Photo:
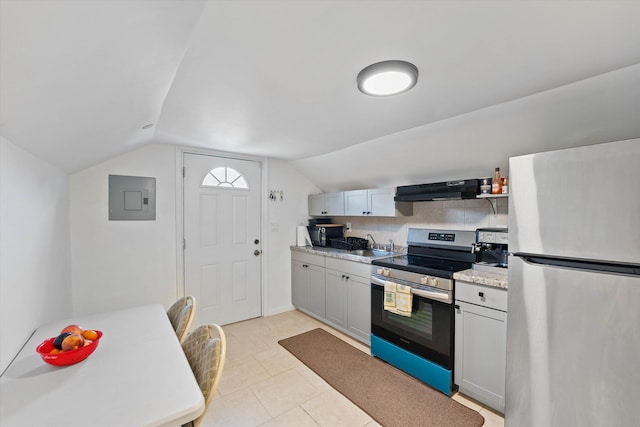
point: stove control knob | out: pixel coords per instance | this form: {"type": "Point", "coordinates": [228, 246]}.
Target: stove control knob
{"type": "Point", "coordinates": [424, 280]}
{"type": "Point", "coordinates": [433, 281]}
{"type": "Point", "coordinates": [386, 272]}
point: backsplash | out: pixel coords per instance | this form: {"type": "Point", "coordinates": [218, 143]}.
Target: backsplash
{"type": "Point", "coordinates": [450, 214]}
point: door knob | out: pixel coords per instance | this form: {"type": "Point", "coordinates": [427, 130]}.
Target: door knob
{"type": "Point", "coordinates": [256, 241]}
{"type": "Point", "coordinates": [256, 252]}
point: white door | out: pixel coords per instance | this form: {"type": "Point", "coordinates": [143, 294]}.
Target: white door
{"type": "Point", "coordinates": [222, 238]}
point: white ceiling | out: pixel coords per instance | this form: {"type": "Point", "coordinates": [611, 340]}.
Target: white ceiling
{"type": "Point", "coordinates": [79, 79]}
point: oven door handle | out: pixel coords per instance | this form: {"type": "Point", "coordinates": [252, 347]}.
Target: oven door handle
{"type": "Point", "coordinates": [437, 296]}
{"type": "Point", "coordinates": [433, 295]}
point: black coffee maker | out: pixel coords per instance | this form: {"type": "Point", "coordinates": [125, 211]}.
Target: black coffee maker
{"type": "Point", "coordinates": [492, 246]}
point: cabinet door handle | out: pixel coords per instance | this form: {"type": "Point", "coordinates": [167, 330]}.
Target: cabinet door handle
{"type": "Point", "coordinates": [457, 307]}
{"type": "Point", "coordinates": [481, 294]}
{"type": "Point", "coordinates": [364, 213]}
{"type": "Point", "coordinates": [305, 266]}
{"type": "Point", "coordinates": [346, 277]}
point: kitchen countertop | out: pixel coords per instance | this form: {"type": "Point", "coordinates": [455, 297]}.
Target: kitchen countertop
{"type": "Point", "coordinates": [496, 280]}
{"type": "Point", "coordinates": [487, 278]}
{"type": "Point", "coordinates": [341, 253]}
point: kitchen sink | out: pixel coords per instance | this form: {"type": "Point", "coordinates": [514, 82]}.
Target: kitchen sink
{"type": "Point", "coordinates": [372, 252]}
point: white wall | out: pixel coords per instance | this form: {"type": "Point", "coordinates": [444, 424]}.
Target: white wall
{"type": "Point", "coordinates": [122, 263]}
{"type": "Point", "coordinates": [34, 247]}
{"type": "Point", "coordinates": [283, 217]}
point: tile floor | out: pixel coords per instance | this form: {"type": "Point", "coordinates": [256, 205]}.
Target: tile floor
{"type": "Point", "coordinates": [264, 385]}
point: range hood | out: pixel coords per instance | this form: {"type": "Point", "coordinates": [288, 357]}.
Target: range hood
{"type": "Point", "coordinates": [448, 190]}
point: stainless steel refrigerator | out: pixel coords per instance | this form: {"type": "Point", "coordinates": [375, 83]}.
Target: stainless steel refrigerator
{"type": "Point", "coordinates": [573, 325]}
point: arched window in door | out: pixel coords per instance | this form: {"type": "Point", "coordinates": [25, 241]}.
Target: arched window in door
{"type": "Point", "coordinates": [224, 177]}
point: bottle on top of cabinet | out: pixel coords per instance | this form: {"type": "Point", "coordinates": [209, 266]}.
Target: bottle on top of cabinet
{"type": "Point", "coordinates": [496, 183]}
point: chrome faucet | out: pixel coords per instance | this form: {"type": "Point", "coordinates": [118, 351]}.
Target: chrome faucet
{"type": "Point", "coordinates": [369, 236]}
{"type": "Point", "coordinates": [391, 245]}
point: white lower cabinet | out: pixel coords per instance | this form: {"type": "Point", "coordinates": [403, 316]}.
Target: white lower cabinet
{"type": "Point", "coordinates": [308, 283]}
{"type": "Point", "coordinates": [336, 297]}
{"type": "Point", "coordinates": [481, 343]}
{"type": "Point", "coordinates": [348, 298]}
{"type": "Point", "coordinates": [359, 307]}
{"type": "Point", "coordinates": [345, 302]}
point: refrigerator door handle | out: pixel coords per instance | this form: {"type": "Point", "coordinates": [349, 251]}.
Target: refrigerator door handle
{"type": "Point", "coordinates": [580, 264]}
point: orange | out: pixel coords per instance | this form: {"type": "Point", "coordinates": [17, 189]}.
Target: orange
{"type": "Point", "coordinates": [90, 335]}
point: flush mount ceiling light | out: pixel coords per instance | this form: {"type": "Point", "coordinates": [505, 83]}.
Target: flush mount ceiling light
{"type": "Point", "coordinates": [387, 78]}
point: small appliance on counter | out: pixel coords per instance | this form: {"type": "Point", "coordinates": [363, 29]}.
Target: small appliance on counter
{"type": "Point", "coordinates": [321, 234]}
{"type": "Point", "coordinates": [492, 247]}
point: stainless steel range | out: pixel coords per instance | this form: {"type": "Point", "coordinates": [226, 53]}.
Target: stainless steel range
{"type": "Point", "coordinates": [419, 340]}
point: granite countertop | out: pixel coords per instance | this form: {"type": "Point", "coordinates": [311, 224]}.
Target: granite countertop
{"type": "Point", "coordinates": [497, 280]}
{"type": "Point", "coordinates": [340, 253]}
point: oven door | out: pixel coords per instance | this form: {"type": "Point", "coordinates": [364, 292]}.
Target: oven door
{"type": "Point", "coordinates": [428, 333]}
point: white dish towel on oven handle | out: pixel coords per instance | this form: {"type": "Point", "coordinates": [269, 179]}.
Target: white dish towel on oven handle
{"type": "Point", "coordinates": [397, 298]}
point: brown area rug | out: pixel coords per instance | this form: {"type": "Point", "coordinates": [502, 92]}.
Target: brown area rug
{"type": "Point", "coordinates": [388, 395]}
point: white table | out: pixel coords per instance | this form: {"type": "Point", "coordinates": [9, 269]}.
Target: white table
{"type": "Point", "coordinates": [138, 376]}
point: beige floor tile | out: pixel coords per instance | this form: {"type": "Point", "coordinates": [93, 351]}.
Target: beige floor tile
{"type": "Point", "coordinates": [247, 327]}
{"type": "Point", "coordinates": [332, 409]}
{"type": "Point", "coordinates": [240, 346]}
{"type": "Point", "coordinates": [241, 408]}
{"type": "Point", "coordinates": [313, 378]}
{"type": "Point", "coordinates": [277, 360]}
{"type": "Point", "coordinates": [467, 401]}
{"type": "Point", "coordinates": [272, 336]}
{"type": "Point", "coordinates": [241, 375]}
{"type": "Point", "coordinates": [284, 392]}
{"type": "Point", "coordinates": [296, 417]}
{"type": "Point", "coordinates": [289, 326]}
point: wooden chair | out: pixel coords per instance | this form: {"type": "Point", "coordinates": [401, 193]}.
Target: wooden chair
{"type": "Point", "coordinates": [206, 349]}
{"type": "Point", "coordinates": [181, 314]}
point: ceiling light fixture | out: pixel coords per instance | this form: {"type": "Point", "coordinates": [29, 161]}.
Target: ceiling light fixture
{"type": "Point", "coordinates": [387, 78]}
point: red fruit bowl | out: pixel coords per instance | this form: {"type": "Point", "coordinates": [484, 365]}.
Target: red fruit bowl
{"type": "Point", "coordinates": [65, 358]}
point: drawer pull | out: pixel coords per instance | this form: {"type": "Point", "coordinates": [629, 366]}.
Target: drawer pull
{"type": "Point", "coordinates": [481, 294]}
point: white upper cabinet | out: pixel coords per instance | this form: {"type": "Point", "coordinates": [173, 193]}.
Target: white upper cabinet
{"type": "Point", "coordinates": [326, 204]}
{"type": "Point", "coordinates": [375, 202]}
{"type": "Point", "coordinates": [355, 203]}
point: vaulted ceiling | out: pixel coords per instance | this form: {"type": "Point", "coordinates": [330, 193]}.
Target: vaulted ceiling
{"type": "Point", "coordinates": [80, 80]}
